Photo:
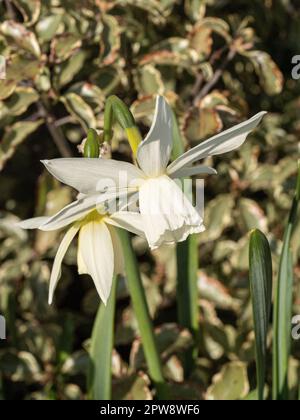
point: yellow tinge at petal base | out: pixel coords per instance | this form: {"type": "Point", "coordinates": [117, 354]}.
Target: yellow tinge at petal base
{"type": "Point", "coordinates": [93, 216]}
{"type": "Point", "coordinates": [134, 138]}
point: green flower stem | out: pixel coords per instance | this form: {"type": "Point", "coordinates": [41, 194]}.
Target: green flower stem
{"type": "Point", "coordinates": [102, 340]}
{"type": "Point", "coordinates": [117, 111]}
{"type": "Point", "coordinates": [187, 295]}
{"type": "Point", "coordinates": [187, 267]}
{"type": "Point", "coordinates": [141, 310]}
{"type": "Point", "coordinates": [100, 366]}
{"type": "Point", "coordinates": [283, 306]}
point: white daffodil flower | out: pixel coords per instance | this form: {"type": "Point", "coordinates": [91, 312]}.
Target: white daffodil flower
{"type": "Point", "coordinates": [168, 215]}
{"type": "Point", "coordinates": [99, 249]}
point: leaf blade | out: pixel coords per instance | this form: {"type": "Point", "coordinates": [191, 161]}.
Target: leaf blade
{"type": "Point", "coordinates": [283, 306]}
{"type": "Point", "coordinates": [99, 372]}
{"type": "Point", "coordinates": [260, 274]}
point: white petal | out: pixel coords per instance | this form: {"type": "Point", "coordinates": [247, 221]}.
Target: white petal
{"type": "Point", "coordinates": [119, 265]}
{"type": "Point", "coordinates": [82, 269]}
{"type": "Point", "coordinates": [96, 250]}
{"type": "Point", "coordinates": [62, 249]}
{"type": "Point", "coordinates": [133, 222]}
{"type": "Point", "coordinates": [33, 223]}
{"type": "Point", "coordinates": [154, 152]}
{"type": "Point", "coordinates": [91, 175]}
{"type": "Point", "coordinates": [187, 171]}
{"type": "Point", "coordinates": [168, 215]}
{"type": "Point", "coordinates": [78, 209]}
{"type": "Point", "coordinates": [221, 143]}
{"type": "Point", "coordinates": [71, 213]}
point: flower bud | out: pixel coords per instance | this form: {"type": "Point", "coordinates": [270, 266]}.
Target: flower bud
{"type": "Point", "coordinates": [91, 146]}
{"type": "Point", "coordinates": [117, 110]}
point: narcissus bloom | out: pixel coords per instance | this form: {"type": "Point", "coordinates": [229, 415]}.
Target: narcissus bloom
{"type": "Point", "coordinates": [99, 249]}
{"type": "Point", "coordinates": [168, 215]}
{"type": "Point", "coordinates": [153, 156]}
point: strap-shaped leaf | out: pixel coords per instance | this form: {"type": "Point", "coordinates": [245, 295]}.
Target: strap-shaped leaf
{"type": "Point", "coordinates": [187, 266]}
{"type": "Point", "coordinates": [99, 374]}
{"type": "Point", "coordinates": [260, 273]}
{"type": "Point", "coordinates": [283, 307]}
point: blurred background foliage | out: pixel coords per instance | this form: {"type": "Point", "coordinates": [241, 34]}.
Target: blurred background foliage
{"type": "Point", "coordinates": [217, 62]}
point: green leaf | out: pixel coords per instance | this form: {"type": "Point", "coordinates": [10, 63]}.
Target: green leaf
{"type": "Point", "coordinates": [260, 274]}
{"type": "Point", "coordinates": [14, 136]}
{"type": "Point", "coordinates": [270, 75]}
{"type": "Point", "coordinates": [188, 294]}
{"type": "Point", "coordinates": [110, 40]}
{"type": "Point", "coordinates": [252, 216]}
{"type": "Point", "coordinates": [282, 325]}
{"type": "Point", "coordinates": [171, 339]}
{"type": "Point", "coordinates": [195, 9]}
{"type": "Point", "coordinates": [173, 52]}
{"type": "Point", "coordinates": [148, 81]}
{"type": "Point", "coordinates": [218, 216]}
{"type": "Point", "coordinates": [21, 36]}
{"type": "Point", "coordinates": [100, 367]}
{"type": "Point", "coordinates": [219, 26]}
{"type": "Point", "coordinates": [213, 290]}
{"type": "Point", "coordinates": [187, 266]}
{"type": "Point", "coordinates": [134, 387]}
{"type": "Point", "coordinates": [80, 110]}
{"type": "Point", "coordinates": [30, 10]}
{"type": "Point", "coordinates": [51, 198]}
{"type": "Point", "coordinates": [141, 310]}
{"type": "Point", "coordinates": [76, 363]}
{"type": "Point", "coordinates": [143, 109]}
{"type": "Point", "coordinates": [21, 367]}
{"type": "Point", "coordinates": [63, 46]}
{"type": "Point", "coordinates": [297, 195]}
{"type": "Point", "coordinates": [201, 123]}
{"type": "Point", "coordinates": [46, 27]}
{"type": "Point", "coordinates": [230, 384]}
{"type": "Point", "coordinates": [178, 145]}
{"type": "Point", "coordinates": [7, 87]}
{"type": "Point", "coordinates": [21, 67]}
{"type": "Point", "coordinates": [18, 102]}
{"type": "Point", "coordinates": [65, 72]}
{"type": "Point", "coordinates": [92, 94]}
{"type": "Point", "coordinates": [283, 306]}
{"type": "Point", "coordinates": [152, 7]}
{"type": "Point", "coordinates": [253, 395]}
{"type": "Point", "coordinates": [201, 40]}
